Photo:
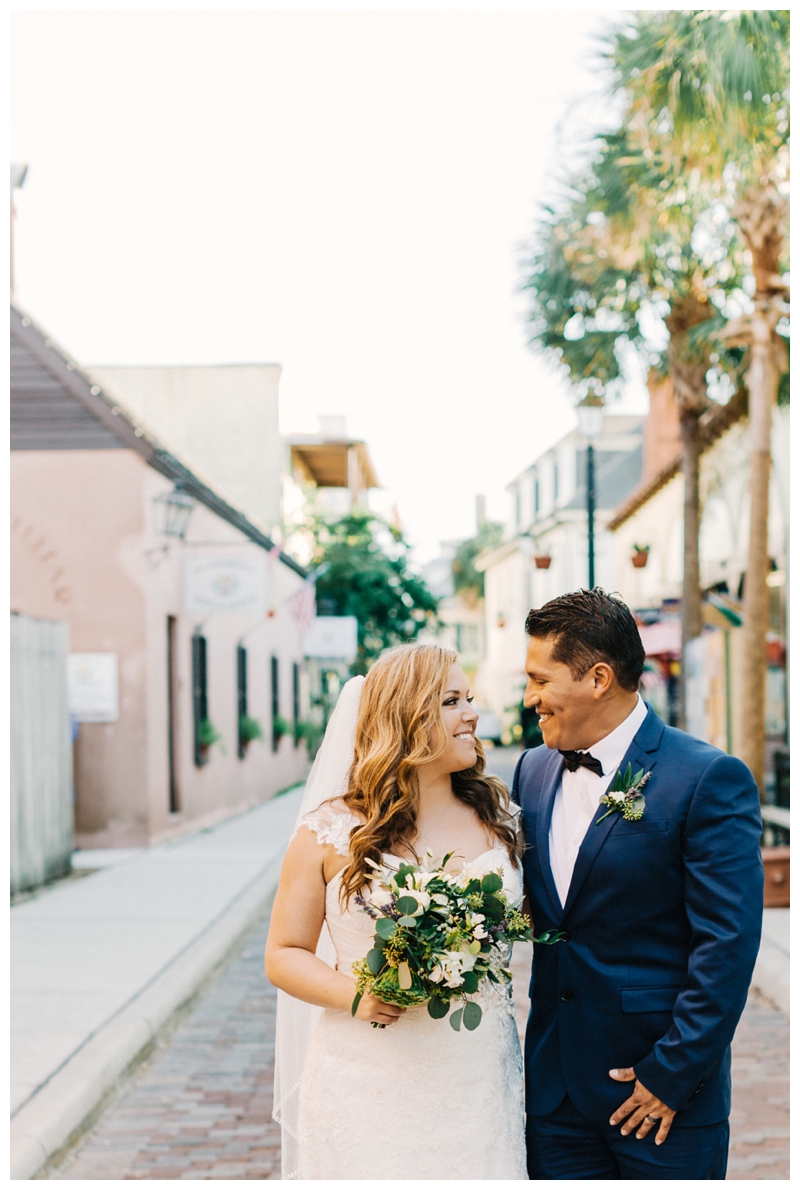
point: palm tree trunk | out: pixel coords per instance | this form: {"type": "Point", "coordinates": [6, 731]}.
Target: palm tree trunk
{"type": "Point", "coordinates": [762, 381]}
{"type": "Point", "coordinates": [691, 603]}
{"type": "Point", "coordinates": [761, 214]}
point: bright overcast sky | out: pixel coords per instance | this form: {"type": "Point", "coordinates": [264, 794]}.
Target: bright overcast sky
{"type": "Point", "coordinates": [342, 193]}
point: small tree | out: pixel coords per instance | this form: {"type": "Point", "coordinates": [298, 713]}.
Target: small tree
{"type": "Point", "coordinates": [467, 581]}
{"type": "Point", "coordinates": [367, 576]}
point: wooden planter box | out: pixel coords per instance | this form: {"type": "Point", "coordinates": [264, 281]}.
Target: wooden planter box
{"type": "Point", "coordinates": [776, 877]}
{"type": "Point", "coordinates": [542, 561]}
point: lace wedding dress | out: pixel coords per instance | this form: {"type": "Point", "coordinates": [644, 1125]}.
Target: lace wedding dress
{"type": "Point", "coordinates": [416, 1099]}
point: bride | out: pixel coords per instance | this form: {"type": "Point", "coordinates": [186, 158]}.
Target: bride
{"type": "Point", "coordinates": [400, 773]}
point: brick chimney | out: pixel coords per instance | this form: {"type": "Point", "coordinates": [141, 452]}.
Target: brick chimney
{"type": "Point", "coordinates": [662, 431]}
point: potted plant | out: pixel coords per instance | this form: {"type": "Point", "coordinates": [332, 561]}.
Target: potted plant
{"type": "Point", "coordinates": [249, 729]}
{"type": "Point", "coordinates": [207, 736]}
{"type": "Point", "coordinates": [280, 728]}
{"type": "Point", "coordinates": [640, 555]}
{"type": "Point", "coordinates": [310, 732]}
{"type": "Point", "coordinates": [542, 561]}
{"type": "Point", "coordinates": [776, 876]}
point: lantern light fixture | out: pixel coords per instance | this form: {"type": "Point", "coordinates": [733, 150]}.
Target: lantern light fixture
{"type": "Point", "coordinates": [172, 511]}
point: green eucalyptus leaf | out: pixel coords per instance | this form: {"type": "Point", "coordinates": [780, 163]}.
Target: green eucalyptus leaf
{"type": "Point", "coordinates": [386, 928]}
{"type": "Point", "coordinates": [407, 904]}
{"type": "Point", "coordinates": [455, 1019]}
{"type": "Point", "coordinates": [491, 883]}
{"type": "Point", "coordinates": [438, 1008]}
{"type": "Point", "coordinates": [472, 1015]}
{"type": "Point", "coordinates": [375, 961]}
{"type": "Point", "coordinates": [409, 922]}
{"type": "Point", "coordinates": [355, 1004]}
{"type": "Point", "coordinates": [493, 908]}
{"type": "Point", "coordinates": [470, 984]}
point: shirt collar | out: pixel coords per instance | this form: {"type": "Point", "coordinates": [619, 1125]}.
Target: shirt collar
{"type": "Point", "coordinates": [611, 749]}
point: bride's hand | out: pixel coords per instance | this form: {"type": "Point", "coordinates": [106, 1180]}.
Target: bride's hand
{"type": "Point", "coordinates": [377, 1011]}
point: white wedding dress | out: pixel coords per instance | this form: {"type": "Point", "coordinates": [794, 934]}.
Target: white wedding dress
{"type": "Point", "coordinates": [416, 1099]}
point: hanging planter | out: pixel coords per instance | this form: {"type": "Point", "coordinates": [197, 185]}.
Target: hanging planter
{"type": "Point", "coordinates": [207, 736]}
{"type": "Point", "coordinates": [249, 729]}
{"type": "Point", "coordinates": [542, 561]}
{"type": "Point", "coordinates": [640, 555]}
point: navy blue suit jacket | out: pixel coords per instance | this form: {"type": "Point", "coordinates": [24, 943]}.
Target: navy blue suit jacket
{"type": "Point", "coordinates": [663, 918]}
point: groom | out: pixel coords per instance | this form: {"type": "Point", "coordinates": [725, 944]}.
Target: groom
{"type": "Point", "coordinates": [627, 1049]}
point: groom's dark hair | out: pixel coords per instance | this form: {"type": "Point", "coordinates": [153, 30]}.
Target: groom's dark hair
{"type": "Point", "coordinates": [591, 626]}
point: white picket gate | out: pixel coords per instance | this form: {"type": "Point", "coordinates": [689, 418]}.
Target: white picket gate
{"type": "Point", "coordinates": [41, 753]}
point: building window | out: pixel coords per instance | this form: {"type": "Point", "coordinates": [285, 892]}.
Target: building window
{"type": "Point", "coordinates": [241, 697]}
{"type": "Point", "coordinates": [296, 701]}
{"type": "Point", "coordinates": [199, 695]}
{"type": "Point", "coordinates": [536, 496]}
{"type": "Point", "coordinates": [517, 507]}
{"type": "Point", "coordinates": [274, 674]}
{"type": "Point", "coordinates": [467, 639]}
{"type": "Point", "coordinates": [555, 482]}
{"type": "Point", "coordinates": [172, 712]}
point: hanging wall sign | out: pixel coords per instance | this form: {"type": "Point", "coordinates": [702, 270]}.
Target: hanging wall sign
{"type": "Point", "coordinates": [93, 687]}
{"type": "Point", "coordinates": [332, 638]}
{"type": "Point", "coordinates": [224, 583]}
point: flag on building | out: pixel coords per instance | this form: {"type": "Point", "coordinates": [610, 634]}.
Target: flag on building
{"type": "Point", "coordinates": [302, 603]}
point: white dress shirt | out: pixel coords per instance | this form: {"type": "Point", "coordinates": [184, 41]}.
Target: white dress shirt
{"type": "Point", "coordinates": [578, 797]}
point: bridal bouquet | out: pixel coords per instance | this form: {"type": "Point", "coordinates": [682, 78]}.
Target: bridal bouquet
{"type": "Point", "coordinates": [439, 936]}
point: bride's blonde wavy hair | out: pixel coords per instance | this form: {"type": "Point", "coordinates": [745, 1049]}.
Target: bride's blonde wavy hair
{"type": "Point", "coordinates": [399, 714]}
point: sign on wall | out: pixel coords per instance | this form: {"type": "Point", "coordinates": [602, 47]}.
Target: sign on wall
{"type": "Point", "coordinates": [332, 638]}
{"type": "Point", "coordinates": [93, 687]}
{"type": "Point", "coordinates": [224, 583]}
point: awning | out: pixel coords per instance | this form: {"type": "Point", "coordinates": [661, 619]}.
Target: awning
{"type": "Point", "coordinates": [661, 639]}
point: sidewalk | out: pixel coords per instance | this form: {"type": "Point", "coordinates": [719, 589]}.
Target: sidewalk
{"type": "Point", "coordinates": [771, 975]}
{"type": "Point", "coordinates": [100, 964]}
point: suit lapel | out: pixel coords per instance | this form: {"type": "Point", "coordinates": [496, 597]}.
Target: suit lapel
{"type": "Point", "coordinates": [544, 813]}
{"type": "Point", "coordinates": [644, 743]}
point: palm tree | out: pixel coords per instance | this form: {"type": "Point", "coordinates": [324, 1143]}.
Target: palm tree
{"type": "Point", "coordinates": [625, 244]}
{"type": "Point", "coordinates": [708, 92]}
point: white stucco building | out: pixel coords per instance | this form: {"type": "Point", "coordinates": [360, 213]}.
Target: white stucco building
{"type": "Point", "coordinates": [545, 552]}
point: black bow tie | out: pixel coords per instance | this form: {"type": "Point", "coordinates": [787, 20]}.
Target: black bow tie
{"type": "Point", "coordinates": [574, 760]}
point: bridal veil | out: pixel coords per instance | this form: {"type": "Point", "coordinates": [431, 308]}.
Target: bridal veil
{"type": "Point", "coordinates": [296, 1019]}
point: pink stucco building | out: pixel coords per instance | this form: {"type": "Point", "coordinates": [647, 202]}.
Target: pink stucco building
{"type": "Point", "coordinates": [200, 629]}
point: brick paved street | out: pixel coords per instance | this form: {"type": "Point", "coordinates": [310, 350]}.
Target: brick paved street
{"type": "Point", "coordinates": [201, 1106]}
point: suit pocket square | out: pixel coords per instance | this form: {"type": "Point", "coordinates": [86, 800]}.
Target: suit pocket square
{"type": "Point", "coordinates": [649, 999]}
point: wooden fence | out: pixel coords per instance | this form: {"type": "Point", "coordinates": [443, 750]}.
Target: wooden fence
{"type": "Point", "coordinates": [41, 753]}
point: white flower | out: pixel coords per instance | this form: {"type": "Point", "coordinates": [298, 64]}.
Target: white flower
{"type": "Point", "coordinates": [474, 923]}
{"type": "Point", "coordinates": [452, 964]}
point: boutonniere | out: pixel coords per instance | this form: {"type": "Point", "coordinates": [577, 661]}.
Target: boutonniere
{"type": "Point", "coordinates": [625, 794]}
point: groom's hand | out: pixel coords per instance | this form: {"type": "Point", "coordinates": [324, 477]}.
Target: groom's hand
{"type": "Point", "coordinates": [638, 1107]}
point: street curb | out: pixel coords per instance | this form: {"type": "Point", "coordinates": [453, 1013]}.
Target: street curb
{"type": "Point", "coordinates": [63, 1108]}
